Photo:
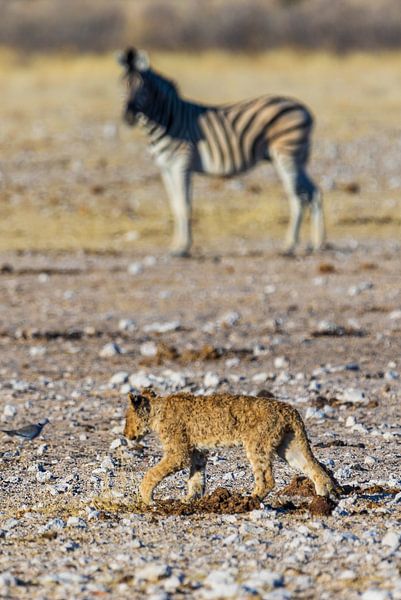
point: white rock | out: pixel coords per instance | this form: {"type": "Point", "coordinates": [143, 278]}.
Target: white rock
{"type": "Point", "coordinates": [175, 379]}
{"type": "Point", "coordinates": [162, 327]}
{"type": "Point", "coordinates": [265, 577]}
{"type": "Point", "coordinates": [108, 463]}
{"type": "Point", "coordinates": [229, 319]}
{"type": "Point", "coordinates": [392, 539]}
{"type": "Point", "coordinates": [153, 572]}
{"type": "Point", "coordinates": [43, 476]}
{"type": "Point", "coordinates": [232, 362]}
{"type": "Point", "coordinates": [110, 350]}
{"type": "Point", "coordinates": [391, 375]}
{"type": "Point", "coordinates": [118, 443]}
{"type": "Point", "coordinates": [76, 522]}
{"type": "Point", "coordinates": [281, 362]}
{"type": "Point", "coordinates": [11, 524]}
{"type": "Point", "coordinates": [125, 389]}
{"type": "Point", "coordinates": [314, 413]}
{"type": "Point", "coordinates": [350, 422]}
{"type": "Point", "coordinates": [140, 380]}
{"type": "Point", "coordinates": [7, 580]}
{"type": "Point", "coordinates": [315, 386]}
{"type": "Point", "coordinates": [353, 395]}
{"type": "Point", "coordinates": [269, 289]}
{"type": "Point", "coordinates": [42, 449]}
{"type": "Point", "coordinates": [135, 268]}
{"type": "Point", "coordinates": [211, 380]}
{"type": "Point", "coordinates": [148, 349]}
{"type": "Point", "coordinates": [119, 378]}
{"type": "Point", "coordinates": [9, 411]}
{"type": "Point", "coordinates": [376, 595]}
{"type": "Point", "coordinates": [370, 461]}
{"type": "Point", "coordinates": [354, 290]}
{"type": "Point", "coordinates": [260, 377]}
{"type": "Point", "coordinates": [128, 325]}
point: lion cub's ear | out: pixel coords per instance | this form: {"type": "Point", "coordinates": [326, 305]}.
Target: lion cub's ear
{"type": "Point", "coordinates": [136, 400]}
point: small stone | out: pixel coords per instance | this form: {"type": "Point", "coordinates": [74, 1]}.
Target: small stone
{"type": "Point", "coordinates": [110, 350]}
{"type": "Point", "coordinates": [43, 476]}
{"type": "Point", "coordinates": [9, 411]}
{"type": "Point", "coordinates": [162, 327]}
{"type": "Point", "coordinates": [135, 268]}
{"type": "Point", "coordinates": [376, 595]}
{"type": "Point", "coordinates": [211, 380]}
{"type": "Point", "coordinates": [76, 522]}
{"type": "Point", "coordinates": [148, 349]}
{"type": "Point", "coordinates": [127, 325]}
{"type": "Point", "coordinates": [354, 395]}
{"type": "Point", "coordinates": [140, 380]}
{"type": "Point", "coordinates": [11, 524]}
{"type": "Point", "coordinates": [392, 539]}
{"type": "Point", "coordinates": [153, 572]}
{"type": "Point", "coordinates": [70, 546]}
{"type": "Point", "coordinates": [42, 449]}
{"type": "Point", "coordinates": [108, 463]}
{"type": "Point", "coordinates": [118, 378]}
{"type": "Point", "coordinates": [229, 319]}
{"type": "Point", "coordinates": [370, 461]}
{"type": "Point", "coordinates": [281, 362]}
{"type": "Point", "coordinates": [350, 422]}
{"type": "Point", "coordinates": [118, 443]}
{"type": "Point", "coordinates": [7, 580]}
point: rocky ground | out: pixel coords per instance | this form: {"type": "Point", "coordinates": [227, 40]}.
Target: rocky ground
{"type": "Point", "coordinates": [79, 330]}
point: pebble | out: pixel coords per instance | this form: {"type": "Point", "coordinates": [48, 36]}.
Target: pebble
{"type": "Point", "coordinates": [76, 522]}
{"type": "Point", "coordinates": [392, 539]}
{"type": "Point", "coordinates": [165, 327]}
{"type": "Point", "coordinates": [110, 350]}
{"type": "Point", "coordinates": [42, 449]}
{"type": "Point", "coordinates": [11, 524]}
{"type": "Point", "coordinates": [353, 395]}
{"type": "Point", "coordinates": [281, 362]}
{"type": "Point", "coordinates": [376, 595]}
{"type": "Point", "coordinates": [148, 349]}
{"type": "Point", "coordinates": [127, 325]}
{"type": "Point", "coordinates": [43, 476]}
{"type": "Point", "coordinates": [211, 380]}
{"type": "Point", "coordinates": [9, 411]}
{"type": "Point", "coordinates": [118, 443]}
{"type": "Point", "coordinates": [140, 380]}
{"type": "Point", "coordinates": [229, 319]}
{"type": "Point", "coordinates": [370, 461]}
{"type": "Point", "coordinates": [153, 572]}
{"type": "Point", "coordinates": [118, 378]}
{"type": "Point", "coordinates": [135, 268]}
{"type": "Point", "coordinates": [354, 290]}
{"type": "Point", "coordinates": [7, 580]}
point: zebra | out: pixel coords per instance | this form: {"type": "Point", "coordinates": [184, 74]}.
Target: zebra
{"type": "Point", "coordinates": [188, 137]}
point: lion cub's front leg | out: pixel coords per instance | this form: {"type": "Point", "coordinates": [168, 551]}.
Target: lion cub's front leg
{"type": "Point", "coordinates": [196, 481]}
{"type": "Point", "coordinates": [173, 460]}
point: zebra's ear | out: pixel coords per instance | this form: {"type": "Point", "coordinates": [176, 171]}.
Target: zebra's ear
{"type": "Point", "coordinates": [142, 62]}
{"type": "Point", "coordinates": [127, 59]}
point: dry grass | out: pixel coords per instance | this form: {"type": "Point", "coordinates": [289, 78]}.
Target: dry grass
{"type": "Point", "coordinates": [72, 177]}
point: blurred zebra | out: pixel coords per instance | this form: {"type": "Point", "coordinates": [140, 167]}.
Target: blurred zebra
{"type": "Point", "coordinates": [187, 137]}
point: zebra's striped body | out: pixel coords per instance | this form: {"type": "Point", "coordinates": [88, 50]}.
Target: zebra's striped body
{"type": "Point", "coordinates": [187, 137]}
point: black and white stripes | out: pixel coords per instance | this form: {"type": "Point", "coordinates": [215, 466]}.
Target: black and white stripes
{"type": "Point", "coordinates": [187, 137]}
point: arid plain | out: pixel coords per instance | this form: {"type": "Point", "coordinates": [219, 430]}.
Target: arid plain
{"type": "Point", "coordinates": [92, 306]}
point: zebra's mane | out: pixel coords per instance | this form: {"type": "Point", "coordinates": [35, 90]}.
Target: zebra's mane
{"type": "Point", "coordinates": [161, 83]}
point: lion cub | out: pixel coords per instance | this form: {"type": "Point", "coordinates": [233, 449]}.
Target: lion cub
{"type": "Point", "coordinates": [188, 425]}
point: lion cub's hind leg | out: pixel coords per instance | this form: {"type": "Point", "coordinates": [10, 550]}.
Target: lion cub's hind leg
{"type": "Point", "coordinates": [296, 451]}
{"type": "Point", "coordinates": [196, 481]}
{"type": "Point", "coordinates": [260, 457]}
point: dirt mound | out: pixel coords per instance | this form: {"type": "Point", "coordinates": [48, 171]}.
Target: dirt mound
{"type": "Point", "coordinates": [321, 506]}
{"type": "Point", "coordinates": [166, 353]}
{"type": "Point", "coordinates": [299, 486]}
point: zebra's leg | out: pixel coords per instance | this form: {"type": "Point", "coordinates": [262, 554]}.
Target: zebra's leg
{"type": "Point", "coordinates": [288, 171]}
{"type": "Point", "coordinates": [302, 192]}
{"type": "Point", "coordinates": [318, 228]}
{"type": "Point", "coordinates": [178, 185]}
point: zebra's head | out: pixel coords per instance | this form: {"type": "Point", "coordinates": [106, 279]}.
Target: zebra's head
{"type": "Point", "coordinates": [136, 64]}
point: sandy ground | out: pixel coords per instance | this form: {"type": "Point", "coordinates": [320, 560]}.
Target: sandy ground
{"type": "Point", "coordinates": [91, 307]}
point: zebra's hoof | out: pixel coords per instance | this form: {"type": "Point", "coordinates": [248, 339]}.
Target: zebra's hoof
{"type": "Point", "coordinates": [180, 253]}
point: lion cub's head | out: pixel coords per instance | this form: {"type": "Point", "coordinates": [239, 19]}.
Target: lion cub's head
{"type": "Point", "coordinates": [137, 415]}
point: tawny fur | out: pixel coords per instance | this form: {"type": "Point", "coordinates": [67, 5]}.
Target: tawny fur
{"type": "Point", "coordinates": [188, 425]}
